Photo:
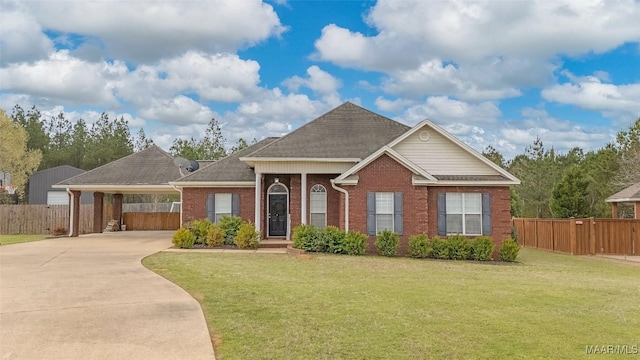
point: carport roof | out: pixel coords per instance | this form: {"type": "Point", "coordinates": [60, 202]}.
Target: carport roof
{"type": "Point", "coordinates": [149, 170]}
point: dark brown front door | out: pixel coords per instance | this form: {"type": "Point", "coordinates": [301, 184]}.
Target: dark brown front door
{"type": "Point", "coordinates": [277, 214]}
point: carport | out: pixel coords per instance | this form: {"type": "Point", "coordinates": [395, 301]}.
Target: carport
{"type": "Point", "coordinates": [145, 172]}
{"type": "Point", "coordinates": [630, 194]}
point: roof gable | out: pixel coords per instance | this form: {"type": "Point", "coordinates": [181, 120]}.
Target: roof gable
{"type": "Point", "coordinates": [446, 157]}
{"type": "Point", "coordinates": [228, 169]}
{"type": "Point", "coordinates": [152, 166]}
{"type": "Point", "coordinates": [348, 131]}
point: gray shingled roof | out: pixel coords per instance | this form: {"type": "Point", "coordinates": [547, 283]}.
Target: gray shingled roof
{"type": "Point", "coordinates": [348, 131]}
{"type": "Point", "coordinates": [632, 193]}
{"type": "Point", "coordinates": [152, 166]}
{"type": "Point", "coordinates": [230, 168]}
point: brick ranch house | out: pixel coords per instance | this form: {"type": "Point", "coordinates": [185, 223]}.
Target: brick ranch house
{"type": "Point", "coordinates": [356, 170]}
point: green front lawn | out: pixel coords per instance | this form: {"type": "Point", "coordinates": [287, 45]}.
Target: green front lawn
{"type": "Point", "coordinates": [343, 307]}
{"type": "Point", "coordinates": [17, 239]}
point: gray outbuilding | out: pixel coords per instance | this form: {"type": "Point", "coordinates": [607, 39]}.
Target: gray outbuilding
{"type": "Point", "coordinates": [41, 192]}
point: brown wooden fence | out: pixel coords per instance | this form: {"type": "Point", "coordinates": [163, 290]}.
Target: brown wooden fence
{"type": "Point", "coordinates": [151, 220]}
{"type": "Point", "coordinates": [44, 219]}
{"type": "Point", "coordinates": [581, 236]}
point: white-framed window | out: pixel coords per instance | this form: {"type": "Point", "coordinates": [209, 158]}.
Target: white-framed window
{"type": "Point", "coordinates": [223, 206]}
{"type": "Point", "coordinates": [318, 206]}
{"type": "Point", "coordinates": [464, 213]}
{"type": "Point", "coordinates": [384, 211]}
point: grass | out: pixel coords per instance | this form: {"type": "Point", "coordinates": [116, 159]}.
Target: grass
{"type": "Point", "coordinates": [329, 307]}
{"type": "Point", "coordinates": [18, 239]}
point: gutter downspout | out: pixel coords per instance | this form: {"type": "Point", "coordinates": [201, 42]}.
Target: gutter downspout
{"type": "Point", "coordinates": [71, 219]}
{"type": "Point", "coordinates": [346, 203]}
{"type": "Point", "coordinates": [180, 191]}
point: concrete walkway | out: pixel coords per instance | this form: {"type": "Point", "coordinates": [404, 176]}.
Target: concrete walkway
{"type": "Point", "coordinates": [91, 298]}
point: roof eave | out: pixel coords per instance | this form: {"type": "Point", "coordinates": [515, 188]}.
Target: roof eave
{"type": "Point", "coordinates": [184, 184]}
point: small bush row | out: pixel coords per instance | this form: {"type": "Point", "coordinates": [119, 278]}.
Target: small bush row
{"type": "Point", "coordinates": [458, 247]}
{"type": "Point", "coordinates": [310, 238]}
{"type": "Point", "coordinates": [231, 230]}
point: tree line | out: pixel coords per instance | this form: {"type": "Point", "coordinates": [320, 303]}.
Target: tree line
{"type": "Point", "coordinates": [575, 183]}
{"type": "Point", "coordinates": [63, 142]}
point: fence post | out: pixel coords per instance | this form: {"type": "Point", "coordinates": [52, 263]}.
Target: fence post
{"type": "Point", "coordinates": [572, 235]}
{"type": "Point", "coordinates": [592, 236]}
{"type": "Point", "coordinates": [553, 238]}
{"type": "Point", "coordinates": [535, 232]}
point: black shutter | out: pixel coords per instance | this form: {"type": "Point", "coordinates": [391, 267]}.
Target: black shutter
{"type": "Point", "coordinates": [486, 214]}
{"type": "Point", "coordinates": [211, 207]}
{"type": "Point", "coordinates": [371, 213]}
{"type": "Point", "coordinates": [397, 213]}
{"type": "Point", "coordinates": [235, 204]}
{"type": "Point", "coordinates": [442, 214]}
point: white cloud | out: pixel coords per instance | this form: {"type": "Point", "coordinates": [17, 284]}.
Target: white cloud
{"type": "Point", "coordinates": [444, 110]}
{"type": "Point", "coordinates": [178, 110]}
{"type": "Point", "coordinates": [64, 78]}
{"type": "Point", "coordinates": [391, 105]}
{"type": "Point", "coordinates": [22, 37]}
{"type": "Point", "coordinates": [477, 50]}
{"type": "Point", "coordinates": [591, 93]}
{"type": "Point", "coordinates": [151, 30]}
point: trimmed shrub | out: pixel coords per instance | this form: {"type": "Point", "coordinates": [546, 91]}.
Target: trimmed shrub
{"type": "Point", "coordinates": [230, 226]}
{"type": "Point", "coordinates": [387, 243]}
{"type": "Point", "coordinates": [333, 238]}
{"type": "Point", "coordinates": [420, 246]}
{"type": "Point", "coordinates": [481, 248]}
{"type": "Point", "coordinates": [215, 236]}
{"type": "Point", "coordinates": [439, 248]}
{"type": "Point", "coordinates": [509, 250]}
{"type": "Point", "coordinates": [183, 238]}
{"type": "Point", "coordinates": [306, 237]}
{"type": "Point", "coordinates": [247, 236]}
{"type": "Point", "coordinates": [354, 243]}
{"type": "Point", "coordinates": [459, 247]}
{"type": "Point", "coordinates": [199, 229]}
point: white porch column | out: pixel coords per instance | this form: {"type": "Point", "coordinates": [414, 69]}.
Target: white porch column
{"type": "Point", "coordinates": [258, 208]}
{"type": "Point", "coordinates": [303, 195]}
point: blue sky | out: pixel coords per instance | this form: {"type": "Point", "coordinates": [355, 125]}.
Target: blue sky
{"type": "Point", "coordinates": [491, 72]}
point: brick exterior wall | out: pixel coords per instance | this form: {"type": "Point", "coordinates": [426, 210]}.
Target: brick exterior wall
{"type": "Point", "coordinates": [333, 198]}
{"type": "Point", "coordinates": [194, 202]}
{"type": "Point", "coordinates": [500, 210]}
{"type": "Point", "coordinates": [420, 203]}
{"type": "Point", "coordinates": [387, 175]}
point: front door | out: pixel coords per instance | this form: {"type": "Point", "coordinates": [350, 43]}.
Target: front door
{"type": "Point", "coordinates": [277, 214]}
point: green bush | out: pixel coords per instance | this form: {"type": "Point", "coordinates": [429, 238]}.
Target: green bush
{"type": "Point", "coordinates": [199, 229]}
{"type": "Point", "coordinates": [215, 236]}
{"type": "Point", "coordinates": [354, 243]}
{"type": "Point", "coordinates": [459, 247]}
{"type": "Point", "coordinates": [481, 248]}
{"type": "Point", "coordinates": [509, 250]}
{"type": "Point", "coordinates": [306, 237]}
{"type": "Point", "coordinates": [230, 226]}
{"type": "Point", "coordinates": [183, 238]}
{"type": "Point", "coordinates": [333, 238]}
{"type": "Point", "coordinates": [439, 248]}
{"type": "Point", "coordinates": [247, 236]}
{"type": "Point", "coordinates": [420, 246]}
{"type": "Point", "coordinates": [387, 243]}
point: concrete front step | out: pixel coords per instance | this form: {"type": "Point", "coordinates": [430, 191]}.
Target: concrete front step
{"type": "Point", "coordinates": [275, 243]}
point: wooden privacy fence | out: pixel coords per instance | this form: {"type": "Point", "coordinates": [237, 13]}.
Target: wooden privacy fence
{"type": "Point", "coordinates": [580, 236]}
{"type": "Point", "coordinates": [44, 219]}
{"type": "Point", "coordinates": [151, 220]}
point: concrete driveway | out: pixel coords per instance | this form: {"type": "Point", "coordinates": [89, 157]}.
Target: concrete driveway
{"type": "Point", "coordinates": [90, 298]}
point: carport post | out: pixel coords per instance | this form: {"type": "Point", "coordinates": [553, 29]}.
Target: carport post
{"type": "Point", "coordinates": [117, 208]}
{"type": "Point", "coordinates": [75, 223]}
{"type": "Point", "coordinates": [98, 206]}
